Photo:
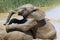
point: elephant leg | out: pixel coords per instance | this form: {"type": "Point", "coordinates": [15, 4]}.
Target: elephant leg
{"type": "Point", "coordinates": [16, 35]}
{"type": "Point", "coordinates": [46, 32]}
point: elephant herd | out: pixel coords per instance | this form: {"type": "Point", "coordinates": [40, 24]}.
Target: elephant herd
{"type": "Point", "coordinates": [33, 26]}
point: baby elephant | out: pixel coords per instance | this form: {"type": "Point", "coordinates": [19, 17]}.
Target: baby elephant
{"type": "Point", "coordinates": [43, 28]}
{"type": "Point", "coordinates": [39, 27]}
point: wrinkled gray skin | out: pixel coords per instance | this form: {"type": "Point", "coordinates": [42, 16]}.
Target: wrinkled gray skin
{"type": "Point", "coordinates": [25, 34]}
{"type": "Point", "coordinates": [46, 31]}
{"type": "Point", "coordinates": [16, 35]}
{"type": "Point", "coordinates": [20, 10]}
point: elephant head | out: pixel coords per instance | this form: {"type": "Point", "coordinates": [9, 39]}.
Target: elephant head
{"type": "Point", "coordinates": [32, 12]}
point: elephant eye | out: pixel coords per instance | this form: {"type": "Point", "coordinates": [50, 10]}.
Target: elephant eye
{"type": "Point", "coordinates": [20, 13]}
{"type": "Point", "coordinates": [34, 10]}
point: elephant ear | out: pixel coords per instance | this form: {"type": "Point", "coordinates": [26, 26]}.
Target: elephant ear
{"type": "Point", "coordinates": [38, 14]}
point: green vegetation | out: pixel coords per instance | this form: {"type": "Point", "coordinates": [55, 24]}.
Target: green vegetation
{"type": "Point", "coordinates": [7, 5]}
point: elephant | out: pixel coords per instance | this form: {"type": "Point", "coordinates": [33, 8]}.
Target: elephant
{"type": "Point", "coordinates": [20, 33]}
{"type": "Point", "coordinates": [13, 32]}
{"type": "Point", "coordinates": [44, 29]}
{"type": "Point", "coordinates": [39, 27]}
